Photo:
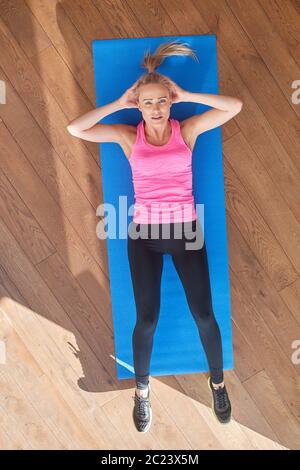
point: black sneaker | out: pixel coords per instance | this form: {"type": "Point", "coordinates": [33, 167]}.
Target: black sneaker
{"type": "Point", "coordinates": [221, 405]}
{"type": "Point", "coordinates": [142, 413]}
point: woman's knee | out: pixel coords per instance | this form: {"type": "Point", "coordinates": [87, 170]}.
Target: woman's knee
{"type": "Point", "coordinates": [148, 303]}
{"type": "Point", "coordinates": [203, 312]}
{"type": "Point", "coordinates": [146, 326]}
{"type": "Point", "coordinates": [147, 316]}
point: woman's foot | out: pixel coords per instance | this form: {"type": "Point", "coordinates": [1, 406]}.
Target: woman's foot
{"type": "Point", "coordinates": [221, 405]}
{"type": "Point", "coordinates": [142, 412]}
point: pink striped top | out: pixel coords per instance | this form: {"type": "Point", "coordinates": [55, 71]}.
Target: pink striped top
{"type": "Point", "coordinates": [162, 179]}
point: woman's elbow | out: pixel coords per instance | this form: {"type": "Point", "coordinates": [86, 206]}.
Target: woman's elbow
{"type": "Point", "coordinates": [239, 104]}
{"type": "Point", "coordinates": [72, 130]}
{"type": "Point", "coordinates": [237, 107]}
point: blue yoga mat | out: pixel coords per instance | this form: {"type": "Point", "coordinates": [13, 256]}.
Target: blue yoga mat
{"type": "Point", "coordinates": [177, 348]}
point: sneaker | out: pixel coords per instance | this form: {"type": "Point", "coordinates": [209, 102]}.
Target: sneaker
{"type": "Point", "coordinates": [142, 412]}
{"type": "Point", "coordinates": [221, 405]}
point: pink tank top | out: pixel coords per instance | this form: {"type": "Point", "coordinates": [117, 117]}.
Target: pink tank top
{"type": "Point", "coordinates": [162, 179]}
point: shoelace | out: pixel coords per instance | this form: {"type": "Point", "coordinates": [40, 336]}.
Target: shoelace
{"type": "Point", "coordinates": [142, 406]}
{"type": "Point", "coordinates": [222, 397]}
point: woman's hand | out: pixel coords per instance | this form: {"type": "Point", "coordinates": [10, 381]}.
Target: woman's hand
{"type": "Point", "coordinates": [177, 93]}
{"type": "Point", "coordinates": [129, 98]}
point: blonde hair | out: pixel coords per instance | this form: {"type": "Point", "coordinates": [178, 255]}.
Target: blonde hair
{"type": "Point", "coordinates": [152, 61]}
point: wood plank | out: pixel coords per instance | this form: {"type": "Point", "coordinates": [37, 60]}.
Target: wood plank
{"type": "Point", "coordinates": [291, 296]}
{"type": "Point", "coordinates": [67, 41]}
{"type": "Point", "coordinates": [274, 409]}
{"type": "Point", "coordinates": [251, 223]}
{"type": "Point", "coordinates": [20, 414]}
{"type": "Point", "coordinates": [22, 223]}
{"type": "Point", "coordinates": [246, 361]}
{"type": "Point", "coordinates": [40, 298]}
{"type": "Point", "coordinates": [33, 40]}
{"type": "Point", "coordinates": [49, 116]}
{"type": "Point", "coordinates": [265, 195]}
{"type": "Point", "coordinates": [285, 20]}
{"type": "Point", "coordinates": [24, 26]}
{"type": "Point", "coordinates": [24, 372]}
{"type": "Point", "coordinates": [264, 297]}
{"type": "Point", "coordinates": [76, 254]}
{"type": "Point", "coordinates": [67, 93]}
{"type": "Point", "coordinates": [11, 438]}
{"type": "Point", "coordinates": [122, 18]}
{"type": "Point", "coordinates": [49, 345]}
{"type": "Point", "coordinates": [56, 178]}
{"type": "Point", "coordinates": [89, 21]}
{"type": "Point", "coordinates": [276, 363]}
{"type": "Point", "coordinates": [268, 43]}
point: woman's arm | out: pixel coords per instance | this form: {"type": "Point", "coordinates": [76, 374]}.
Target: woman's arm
{"type": "Point", "coordinates": [89, 119]}
{"type": "Point", "coordinates": [224, 109]}
{"type": "Point", "coordinates": [85, 127]}
{"type": "Point", "coordinates": [225, 103]}
{"type": "Point", "coordinates": [84, 123]}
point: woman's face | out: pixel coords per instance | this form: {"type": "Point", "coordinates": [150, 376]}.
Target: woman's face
{"type": "Point", "coordinates": [154, 101]}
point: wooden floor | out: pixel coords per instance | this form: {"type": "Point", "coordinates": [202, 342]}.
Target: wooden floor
{"type": "Point", "coordinates": [58, 388]}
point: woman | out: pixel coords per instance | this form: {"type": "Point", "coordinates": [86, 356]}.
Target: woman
{"type": "Point", "coordinates": [159, 150]}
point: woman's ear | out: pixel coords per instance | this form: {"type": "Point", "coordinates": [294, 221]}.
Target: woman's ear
{"type": "Point", "coordinates": [136, 98]}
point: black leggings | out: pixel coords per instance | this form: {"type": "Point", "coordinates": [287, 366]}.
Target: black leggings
{"type": "Point", "coordinates": [145, 254]}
